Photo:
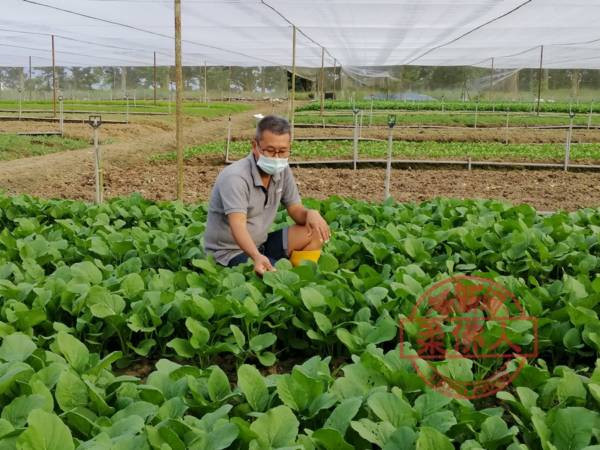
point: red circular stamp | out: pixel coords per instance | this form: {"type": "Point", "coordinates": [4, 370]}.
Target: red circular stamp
{"type": "Point", "coordinates": [470, 337]}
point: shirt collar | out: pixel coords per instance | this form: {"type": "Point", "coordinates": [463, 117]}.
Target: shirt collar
{"type": "Point", "coordinates": [256, 174]}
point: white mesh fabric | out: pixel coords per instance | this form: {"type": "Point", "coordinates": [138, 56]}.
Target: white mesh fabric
{"type": "Point", "coordinates": [356, 33]}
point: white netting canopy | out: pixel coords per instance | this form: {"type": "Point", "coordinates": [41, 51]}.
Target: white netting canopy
{"type": "Point", "coordinates": [354, 33]}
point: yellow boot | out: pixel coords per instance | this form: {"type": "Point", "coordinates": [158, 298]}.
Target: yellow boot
{"type": "Point", "coordinates": [298, 256]}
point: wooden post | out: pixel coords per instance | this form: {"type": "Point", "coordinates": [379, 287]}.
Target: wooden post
{"type": "Point", "coordinates": [154, 78]}
{"type": "Point", "coordinates": [53, 79]}
{"type": "Point", "coordinates": [30, 82]}
{"type": "Point", "coordinates": [492, 79]}
{"type": "Point", "coordinates": [322, 80]}
{"type": "Point", "coordinates": [540, 79]}
{"type": "Point", "coordinates": [568, 143]}
{"type": "Point", "coordinates": [124, 81]}
{"type": "Point", "coordinates": [292, 98]}
{"type": "Point", "coordinates": [178, 100]}
{"type": "Point", "coordinates": [229, 83]}
{"type": "Point", "coordinates": [205, 83]}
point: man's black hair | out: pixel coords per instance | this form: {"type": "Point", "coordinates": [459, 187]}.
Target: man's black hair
{"type": "Point", "coordinates": [274, 124]}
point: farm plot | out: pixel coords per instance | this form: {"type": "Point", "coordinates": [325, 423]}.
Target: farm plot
{"type": "Point", "coordinates": [343, 149]}
{"type": "Point", "coordinates": [13, 146]}
{"type": "Point", "coordinates": [391, 105]}
{"type": "Point", "coordinates": [307, 357]}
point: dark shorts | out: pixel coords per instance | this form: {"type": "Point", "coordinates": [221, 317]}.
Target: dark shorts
{"type": "Point", "coordinates": [275, 248]}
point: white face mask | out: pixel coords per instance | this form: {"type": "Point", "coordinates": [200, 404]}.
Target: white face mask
{"type": "Point", "coordinates": [272, 166]}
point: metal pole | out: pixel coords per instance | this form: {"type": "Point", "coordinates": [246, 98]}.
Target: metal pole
{"type": "Point", "coordinates": [292, 98]}
{"type": "Point", "coordinates": [476, 112]}
{"type": "Point", "coordinates": [361, 124]}
{"type": "Point", "coordinates": [20, 100]}
{"type": "Point", "coordinates": [355, 152]}
{"type": "Point", "coordinates": [62, 116]}
{"type": "Point", "coordinates": [127, 108]}
{"type": "Point", "coordinates": [205, 83]}
{"type": "Point", "coordinates": [228, 145]}
{"type": "Point", "coordinates": [98, 166]}
{"type": "Point", "coordinates": [178, 100]}
{"type": "Point", "coordinates": [322, 80]}
{"type": "Point", "coordinates": [388, 169]}
{"type": "Point", "coordinates": [590, 116]}
{"type": "Point", "coordinates": [154, 78]}
{"type": "Point", "coordinates": [568, 143]}
{"type": "Point", "coordinates": [506, 127]}
{"type": "Point", "coordinates": [540, 79]}
{"type": "Point", "coordinates": [53, 80]}
{"type": "Point", "coordinates": [371, 113]}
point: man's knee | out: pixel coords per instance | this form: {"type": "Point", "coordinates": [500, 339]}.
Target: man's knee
{"type": "Point", "coordinates": [301, 237]}
{"type": "Point", "coordinates": [313, 238]}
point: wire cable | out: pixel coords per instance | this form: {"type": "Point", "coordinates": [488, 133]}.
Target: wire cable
{"type": "Point", "coordinates": [154, 33]}
{"type": "Point", "coordinates": [280, 14]}
{"type": "Point", "coordinates": [479, 27]}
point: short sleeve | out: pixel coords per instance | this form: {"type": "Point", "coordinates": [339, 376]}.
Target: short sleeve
{"type": "Point", "coordinates": [290, 195]}
{"type": "Point", "coordinates": [235, 194]}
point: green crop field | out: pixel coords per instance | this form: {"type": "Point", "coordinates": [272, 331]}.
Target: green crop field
{"type": "Point", "coordinates": [13, 146]}
{"type": "Point", "coordinates": [212, 109]}
{"type": "Point", "coordinates": [307, 357]}
{"type": "Point", "coordinates": [549, 107]}
{"type": "Point", "coordinates": [450, 119]}
{"type": "Point", "coordinates": [403, 149]}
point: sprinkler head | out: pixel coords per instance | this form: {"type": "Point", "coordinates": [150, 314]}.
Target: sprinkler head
{"type": "Point", "coordinates": [571, 114]}
{"type": "Point", "coordinates": [391, 120]}
{"type": "Point", "coordinates": [355, 111]}
{"type": "Point", "coordinates": [60, 98]}
{"type": "Point", "coordinates": [95, 121]}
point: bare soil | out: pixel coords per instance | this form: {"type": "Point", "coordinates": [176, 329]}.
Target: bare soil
{"type": "Point", "coordinates": [450, 134]}
{"type": "Point", "coordinates": [126, 150]}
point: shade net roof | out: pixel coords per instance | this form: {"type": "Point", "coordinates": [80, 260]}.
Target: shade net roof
{"type": "Point", "coordinates": [354, 33]}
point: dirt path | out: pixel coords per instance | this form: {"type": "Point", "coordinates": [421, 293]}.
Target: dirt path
{"type": "Point", "coordinates": [126, 150]}
{"type": "Point", "coordinates": [546, 190]}
{"type": "Point", "coordinates": [68, 174]}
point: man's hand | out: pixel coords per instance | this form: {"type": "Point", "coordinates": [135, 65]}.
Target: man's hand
{"type": "Point", "coordinates": [262, 264]}
{"type": "Point", "coordinates": [317, 225]}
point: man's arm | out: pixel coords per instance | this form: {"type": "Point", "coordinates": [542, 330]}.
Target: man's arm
{"type": "Point", "coordinates": [310, 217]}
{"type": "Point", "coordinates": [239, 230]}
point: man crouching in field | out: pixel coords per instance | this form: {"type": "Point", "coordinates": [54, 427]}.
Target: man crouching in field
{"type": "Point", "coordinates": [244, 202]}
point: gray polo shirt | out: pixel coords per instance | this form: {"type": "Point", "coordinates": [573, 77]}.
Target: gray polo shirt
{"type": "Point", "coordinates": [239, 188]}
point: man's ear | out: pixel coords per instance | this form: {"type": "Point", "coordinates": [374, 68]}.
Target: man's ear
{"type": "Point", "coordinates": [255, 147]}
